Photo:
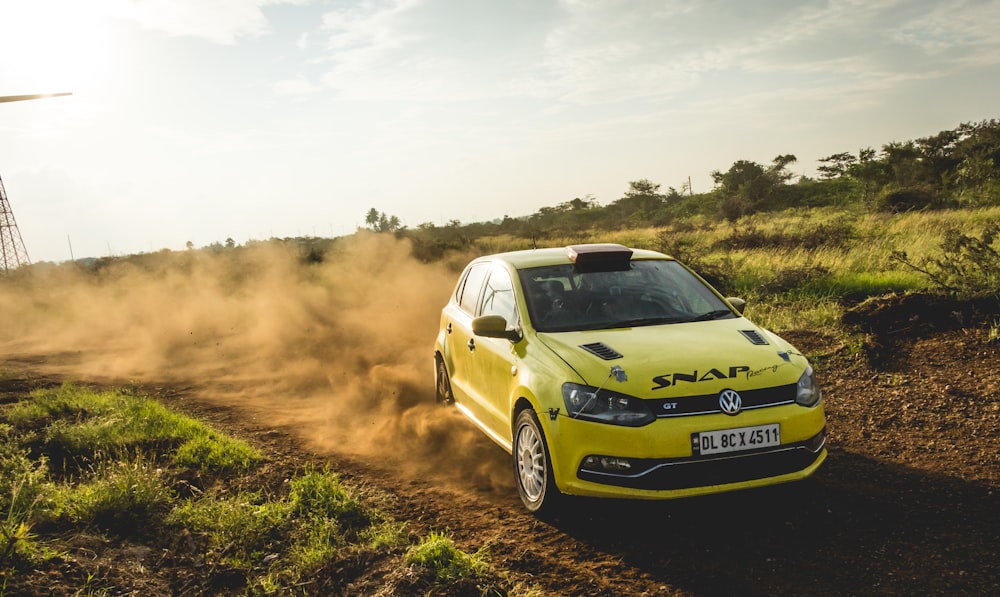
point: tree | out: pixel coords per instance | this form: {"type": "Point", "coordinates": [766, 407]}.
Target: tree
{"type": "Point", "coordinates": [836, 165]}
{"type": "Point", "coordinates": [641, 203]}
{"type": "Point", "coordinates": [747, 186]}
{"type": "Point", "coordinates": [379, 221]}
{"type": "Point", "coordinates": [777, 170]}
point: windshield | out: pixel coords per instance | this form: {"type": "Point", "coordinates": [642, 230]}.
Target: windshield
{"type": "Point", "coordinates": [651, 292]}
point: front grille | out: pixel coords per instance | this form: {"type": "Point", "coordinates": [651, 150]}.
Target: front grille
{"type": "Point", "coordinates": [686, 473]}
{"type": "Point", "coordinates": [602, 350]}
{"type": "Point", "coordinates": [706, 404]}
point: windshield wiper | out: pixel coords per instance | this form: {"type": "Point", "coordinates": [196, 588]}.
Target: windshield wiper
{"type": "Point", "coordinates": [717, 314]}
{"type": "Point", "coordinates": [631, 323]}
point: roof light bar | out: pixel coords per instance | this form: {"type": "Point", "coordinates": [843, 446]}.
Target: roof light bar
{"type": "Point", "coordinates": [600, 257]}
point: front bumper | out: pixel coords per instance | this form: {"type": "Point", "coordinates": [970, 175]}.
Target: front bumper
{"type": "Point", "coordinates": [661, 464]}
{"type": "Point", "coordinates": [705, 471]}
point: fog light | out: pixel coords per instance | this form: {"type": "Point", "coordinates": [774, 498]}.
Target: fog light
{"type": "Point", "coordinates": [816, 442]}
{"type": "Point", "coordinates": [606, 464]}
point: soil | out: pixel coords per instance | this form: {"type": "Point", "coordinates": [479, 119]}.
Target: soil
{"type": "Point", "coordinates": [906, 504]}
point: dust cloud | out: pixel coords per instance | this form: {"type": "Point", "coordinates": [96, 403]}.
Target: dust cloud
{"type": "Point", "coordinates": [340, 351]}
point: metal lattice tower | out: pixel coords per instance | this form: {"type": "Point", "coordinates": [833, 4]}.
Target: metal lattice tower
{"type": "Point", "coordinates": [12, 252]}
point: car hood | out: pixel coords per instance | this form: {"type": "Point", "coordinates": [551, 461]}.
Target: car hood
{"type": "Point", "coordinates": [680, 359]}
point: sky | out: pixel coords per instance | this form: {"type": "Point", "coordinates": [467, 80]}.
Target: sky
{"type": "Point", "coordinates": [203, 120]}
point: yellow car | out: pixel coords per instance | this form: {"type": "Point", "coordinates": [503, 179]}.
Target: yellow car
{"type": "Point", "coordinates": [612, 372]}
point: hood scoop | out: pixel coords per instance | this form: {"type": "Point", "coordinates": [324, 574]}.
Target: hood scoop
{"type": "Point", "coordinates": [602, 350]}
{"type": "Point", "coordinates": [755, 337]}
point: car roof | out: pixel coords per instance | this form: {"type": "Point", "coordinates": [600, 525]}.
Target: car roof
{"type": "Point", "coordinates": [556, 256]}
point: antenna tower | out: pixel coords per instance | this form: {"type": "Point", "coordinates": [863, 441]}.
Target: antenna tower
{"type": "Point", "coordinates": [12, 252]}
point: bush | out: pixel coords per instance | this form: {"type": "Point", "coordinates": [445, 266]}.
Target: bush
{"type": "Point", "coordinates": [896, 200]}
{"type": "Point", "coordinates": [968, 266]}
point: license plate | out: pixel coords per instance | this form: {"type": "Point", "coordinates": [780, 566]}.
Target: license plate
{"type": "Point", "coordinates": [735, 440]}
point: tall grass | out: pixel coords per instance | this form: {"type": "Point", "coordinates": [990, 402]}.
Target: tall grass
{"type": "Point", "coordinates": [798, 268]}
{"type": "Point", "coordinates": [788, 257]}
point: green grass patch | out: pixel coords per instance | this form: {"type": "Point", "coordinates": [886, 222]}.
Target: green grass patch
{"type": "Point", "coordinates": [216, 452]}
{"type": "Point", "coordinates": [82, 423]}
{"type": "Point", "coordinates": [449, 564]}
{"type": "Point", "coordinates": [134, 456]}
{"type": "Point", "coordinates": [123, 496]}
{"type": "Point", "coordinates": [282, 541]}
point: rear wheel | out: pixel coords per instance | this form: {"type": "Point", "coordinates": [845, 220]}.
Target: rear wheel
{"type": "Point", "coordinates": [443, 385]}
{"type": "Point", "coordinates": [532, 465]}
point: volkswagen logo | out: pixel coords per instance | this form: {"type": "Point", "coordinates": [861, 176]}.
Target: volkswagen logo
{"type": "Point", "coordinates": [730, 402]}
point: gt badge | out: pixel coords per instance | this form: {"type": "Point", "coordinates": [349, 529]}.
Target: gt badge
{"type": "Point", "coordinates": [730, 402]}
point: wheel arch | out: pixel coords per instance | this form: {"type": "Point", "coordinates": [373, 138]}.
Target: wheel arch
{"type": "Point", "coordinates": [549, 432]}
{"type": "Point", "coordinates": [520, 404]}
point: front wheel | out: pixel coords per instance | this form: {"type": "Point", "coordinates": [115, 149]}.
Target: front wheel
{"type": "Point", "coordinates": [532, 465]}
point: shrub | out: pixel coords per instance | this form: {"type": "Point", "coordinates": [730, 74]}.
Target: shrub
{"type": "Point", "coordinates": [895, 200]}
{"type": "Point", "coordinates": [968, 266]}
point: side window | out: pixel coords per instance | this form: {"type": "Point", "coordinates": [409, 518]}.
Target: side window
{"type": "Point", "coordinates": [499, 297]}
{"type": "Point", "coordinates": [469, 293]}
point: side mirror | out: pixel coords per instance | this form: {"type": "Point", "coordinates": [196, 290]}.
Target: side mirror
{"type": "Point", "coordinates": [494, 326]}
{"type": "Point", "coordinates": [737, 303]}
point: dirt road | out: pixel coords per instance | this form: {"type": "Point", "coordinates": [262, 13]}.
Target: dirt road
{"type": "Point", "coordinates": [906, 504]}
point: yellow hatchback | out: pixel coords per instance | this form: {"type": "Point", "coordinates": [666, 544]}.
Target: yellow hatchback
{"type": "Point", "coordinates": [612, 372]}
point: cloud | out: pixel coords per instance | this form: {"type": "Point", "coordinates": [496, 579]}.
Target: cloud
{"type": "Point", "coordinates": [432, 50]}
{"type": "Point", "coordinates": [297, 86]}
{"type": "Point", "coordinates": [218, 21]}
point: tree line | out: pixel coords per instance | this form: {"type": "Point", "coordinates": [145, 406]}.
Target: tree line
{"type": "Point", "coordinates": [952, 169]}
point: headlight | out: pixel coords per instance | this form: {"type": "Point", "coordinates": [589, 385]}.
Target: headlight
{"type": "Point", "coordinates": [604, 406]}
{"type": "Point", "coordinates": [808, 393]}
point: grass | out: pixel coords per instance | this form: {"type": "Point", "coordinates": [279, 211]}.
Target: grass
{"type": "Point", "coordinates": [795, 265]}
{"type": "Point", "coordinates": [81, 422]}
{"type": "Point", "coordinates": [127, 471]}
{"type": "Point", "coordinates": [123, 496]}
{"type": "Point", "coordinates": [449, 564]}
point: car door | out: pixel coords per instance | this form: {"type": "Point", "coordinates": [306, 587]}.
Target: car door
{"type": "Point", "coordinates": [494, 358]}
{"type": "Point", "coordinates": [458, 342]}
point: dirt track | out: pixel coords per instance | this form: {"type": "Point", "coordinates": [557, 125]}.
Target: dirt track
{"type": "Point", "coordinates": [906, 504]}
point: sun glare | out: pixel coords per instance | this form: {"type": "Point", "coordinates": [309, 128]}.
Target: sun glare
{"type": "Point", "coordinates": [49, 46]}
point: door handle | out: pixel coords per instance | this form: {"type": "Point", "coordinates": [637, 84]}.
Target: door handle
{"type": "Point", "coordinates": [472, 344]}
{"type": "Point", "coordinates": [448, 329]}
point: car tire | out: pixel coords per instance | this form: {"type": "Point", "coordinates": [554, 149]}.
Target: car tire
{"type": "Point", "coordinates": [442, 390]}
{"type": "Point", "coordinates": [533, 466]}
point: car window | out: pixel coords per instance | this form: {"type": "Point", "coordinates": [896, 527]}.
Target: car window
{"type": "Point", "coordinates": [498, 298]}
{"type": "Point", "coordinates": [468, 294]}
{"type": "Point", "coordinates": [651, 292]}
